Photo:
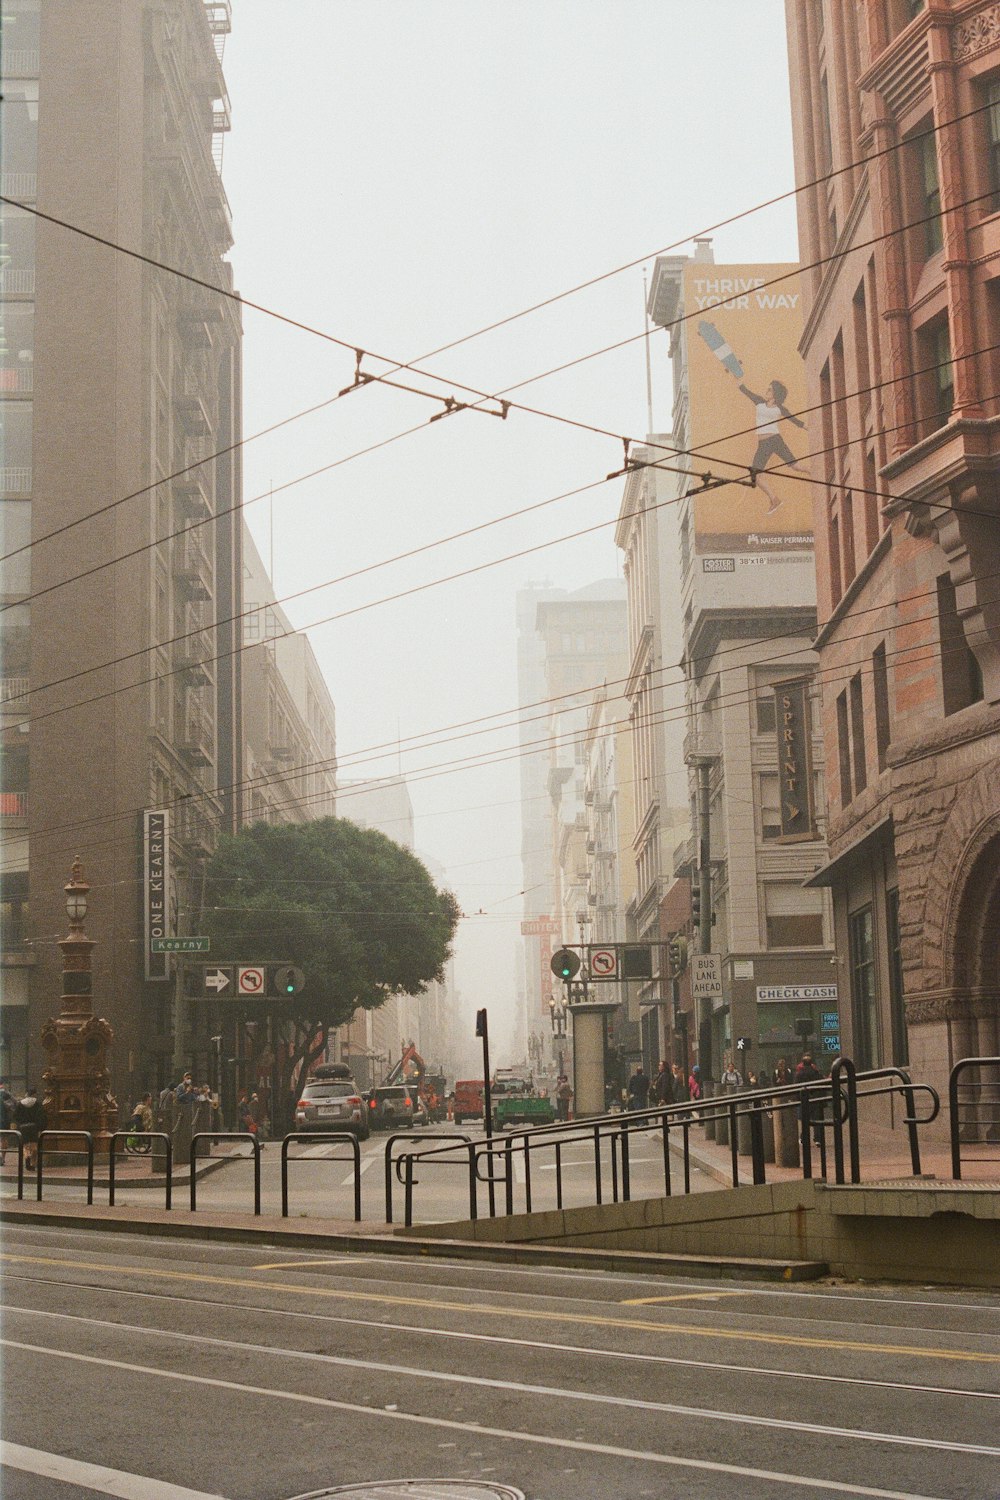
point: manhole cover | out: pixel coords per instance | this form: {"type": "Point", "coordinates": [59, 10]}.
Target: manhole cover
{"type": "Point", "coordinates": [419, 1489]}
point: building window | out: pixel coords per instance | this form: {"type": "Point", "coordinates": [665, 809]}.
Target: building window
{"type": "Point", "coordinates": [880, 683]}
{"type": "Point", "coordinates": [844, 749]}
{"type": "Point", "coordinates": [993, 140]}
{"type": "Point", "coordinates": [944, 374]}
{"type": "Point", "coordinates": [766, 722]}
{"type": "Point", "coordinates": [861, 932]}
{"type": "Point", "coordinates": [858, 733]}
{"type": "Point", "coordinates": [793, 917]}
{"type": "Point", "coordinates": [931, 194]}
{"type": "Point", "coordinates": [770, 806]}
{"type": "Point", "coordinates": [897, 1008]}
{"type": "Point", "coordinates": [961, 678]}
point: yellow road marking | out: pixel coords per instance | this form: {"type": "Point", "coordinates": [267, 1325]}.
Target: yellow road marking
{"type": "Point", "coordinates": [585, 1320]}
{"type": "Point", "coordinates": [680, 1297]}
{"type": "Point", "coordinates": [292, 1265]}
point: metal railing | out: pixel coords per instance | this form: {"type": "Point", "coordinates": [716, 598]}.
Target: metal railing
{"type": "Point", "coordinates": [5, 1135]}
{"type": "Point", "coordinates": [827, 1105]}
{"type": "Point", "coordinates": [78, 1135]}
{"type": "Point", "coordinates": [225, 1135]}
{"type": "Point", "coordinates": [143, 1135]}
{"type": "Point", "coordinates": [983, 1128]}
{"type": "Point", "coordinates": [321, 1138]}
{"type": "Point", "coordinates": [405, 1175]}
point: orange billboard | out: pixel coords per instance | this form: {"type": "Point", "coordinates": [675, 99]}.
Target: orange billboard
{"type": "Point", "coordinates": [746, 383]}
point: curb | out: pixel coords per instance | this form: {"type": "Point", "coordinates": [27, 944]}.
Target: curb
{"type": "Point", "coordinates": [278, 1234]}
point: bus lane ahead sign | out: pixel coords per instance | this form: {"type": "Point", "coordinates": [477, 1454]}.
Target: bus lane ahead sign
{"type": "Point", "coordinates": [706, 976]}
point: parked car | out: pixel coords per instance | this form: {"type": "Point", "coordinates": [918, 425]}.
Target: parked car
{"type": "Point", "coordinates": [389, 1106]}
{"type": "Point", "coordinates": [468, 1100]}
{"type": "Point", "coordinates": [332, 1104]}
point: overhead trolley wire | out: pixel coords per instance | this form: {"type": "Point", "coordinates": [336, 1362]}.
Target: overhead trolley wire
{"type": "Point", "coordinates": [595, 484]}
{"type": "Point", "coordinates": [451, 405]}
{"type": "Point", "coordinates": [917, 654]}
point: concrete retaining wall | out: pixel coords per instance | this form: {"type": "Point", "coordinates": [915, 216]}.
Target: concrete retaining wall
{"type": "Point", "coordinates": [948, 1235]}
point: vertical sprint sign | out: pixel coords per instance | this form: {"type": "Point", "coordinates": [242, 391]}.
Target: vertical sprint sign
{"type": "Point", "coordinates": [155, 888]}
{"type": "Point", "coordinates": [706, 977]}
{"type": "Point", "coordinates": [791, 701]}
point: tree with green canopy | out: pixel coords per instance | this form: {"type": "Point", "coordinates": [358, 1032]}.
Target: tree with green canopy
{"type": "Point", "coordinates": [358, 913]}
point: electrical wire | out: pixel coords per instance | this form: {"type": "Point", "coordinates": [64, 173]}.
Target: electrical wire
{"type": "Point", "coordinates": [482, 396]}
{"type": "Point", "coordinates": [478, 333]}
{"type": "Point", "coordinates": [494, 562]}
{"type": "Point", "coordinates": [484, 759]}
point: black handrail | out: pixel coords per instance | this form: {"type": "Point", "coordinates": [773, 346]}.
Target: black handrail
{"type": "Point", "coordinates": [841, 1091]}
{"type": "Point", "coordinates": [20, 1158]}
{"type": "Point", "coordinates": [322, 1138]}
{"type": "Point", "coordinates": [410, 1135]}
{"type": "Point", "coordinates": [953, 1105]}
{"type": "Point", "coordinates": [146, 1135]}
{"type": "Point", "coordinates": [225, 1135]}
{"type": "Point", "coordinates": [84, 1135]}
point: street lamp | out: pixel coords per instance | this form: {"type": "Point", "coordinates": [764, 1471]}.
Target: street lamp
{"type": "Point", "coordinates": [77, 891]}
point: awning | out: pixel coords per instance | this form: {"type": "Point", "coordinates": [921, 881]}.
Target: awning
{"type": "Point", "coordinates": [835, 868]}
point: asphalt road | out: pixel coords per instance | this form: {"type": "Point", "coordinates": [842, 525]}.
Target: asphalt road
{"type": "Point", "coordinates": [321, 1180]}
{"type": "Point", "coordinates": [252, 1373]}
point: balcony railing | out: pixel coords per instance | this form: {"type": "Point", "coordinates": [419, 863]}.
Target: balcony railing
{"type": "Point", "coordinates": [18, 283]}
{"type": "Point", "coordinates": [20, 378]}
{"type": "Point", "coordinates": [20, 62]}
{"type": "Point", "coordinates": [16, 479]}
{"type": "Point", "coordinates": [20, 185]}
{"type": "Point", "coordinates": [13, 689]}
{"type": "Point", "coordinates": [197, 742]}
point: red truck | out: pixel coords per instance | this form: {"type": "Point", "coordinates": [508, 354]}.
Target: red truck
{"type": "Point", "coordinates": [469, 1104]}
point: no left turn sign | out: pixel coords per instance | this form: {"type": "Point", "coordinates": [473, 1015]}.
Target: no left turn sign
{"type": "Point", "coordinates": [250, 980]}
{"type": "Point", "coordinates": [603, 963]}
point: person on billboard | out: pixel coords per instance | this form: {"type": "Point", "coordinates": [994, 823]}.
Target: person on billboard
{"type": "Point", "coordinates": [770, 410]}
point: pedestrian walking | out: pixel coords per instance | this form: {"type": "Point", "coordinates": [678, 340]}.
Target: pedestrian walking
{"type": "Point", "coordinates": [564, 1097]}
{"type": "Point", "coordinates": [638, 1088]}
{"type": "Point", "coordinates": [682, 1092]}
{"type": "Point", "coordinates": [30, 1119]}
{"type": "Point", "coordinates": [694, 1083]}
{"type": "Point", "coordinates": [732, 1078]}
{"type": "Point", "coordinates": [807, 1072]}
{"type": "Point", "coordinates": [663, 1084]}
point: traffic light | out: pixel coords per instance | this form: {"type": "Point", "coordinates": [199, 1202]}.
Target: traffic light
{"type": "Point", "coordinates": [677, 949]}
{"type": "Point", "coordinates": [565, 964]}
{"type": "Point", "coordinates": [696, 905]}
{"type": "Point", "coordinates": [286, 979]}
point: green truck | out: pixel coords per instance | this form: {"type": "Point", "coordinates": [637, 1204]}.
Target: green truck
{"type": "Point", "coordinates": [516, 1101]}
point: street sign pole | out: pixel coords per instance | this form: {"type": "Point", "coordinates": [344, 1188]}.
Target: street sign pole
{"type": "Point", "coordinates": [179, 1018]}
{"type": "Point", "coordinates": [483, 1030]}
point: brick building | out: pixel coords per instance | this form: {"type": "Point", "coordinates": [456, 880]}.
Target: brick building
{"type": "Point", "coordinates": [900, 100]}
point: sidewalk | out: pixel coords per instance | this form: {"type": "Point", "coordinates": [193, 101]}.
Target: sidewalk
{"type": "Point", "coordinates": [885, 1157]}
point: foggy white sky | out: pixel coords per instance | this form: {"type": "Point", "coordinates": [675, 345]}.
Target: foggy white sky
{"type": "Point", "coordinates": [400, 175]}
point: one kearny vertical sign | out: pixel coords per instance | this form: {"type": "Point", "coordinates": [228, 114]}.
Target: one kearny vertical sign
{"type": "Point", "coordinates": [155, 888]}
{"type": "Point", "coordinates": [791, 702]}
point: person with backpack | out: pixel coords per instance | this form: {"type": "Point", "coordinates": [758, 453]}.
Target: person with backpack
{"type": "Point", "coordinates": [30, 1119]}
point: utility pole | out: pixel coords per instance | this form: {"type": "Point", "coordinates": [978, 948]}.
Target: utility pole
{"type": "Point", "coordinates": [704, 1011]}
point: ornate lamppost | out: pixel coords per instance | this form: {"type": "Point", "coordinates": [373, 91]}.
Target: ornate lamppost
{"type": "Point", "coordinates": [77, 1082]}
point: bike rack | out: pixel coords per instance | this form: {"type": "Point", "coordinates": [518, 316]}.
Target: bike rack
{"type": "Point", "coordinates": [146, 1135]}
{"type": "Point", "coordinates": [20, 1158]}
{"type": "Point", "coordinates": [322, 1138]}
{"type": "Point", "coordinates": [953, 1105]}
{"type": "Point", "coordinates": [405, 1176]}
{"type": "Point", "coordinates": [225, 1135]}
{"type": "Point", "coordinates": [83, 1135]}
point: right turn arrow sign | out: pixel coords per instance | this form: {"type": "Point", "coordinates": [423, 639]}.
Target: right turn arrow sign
{"type": "Point", "coordinates": [217, 980]}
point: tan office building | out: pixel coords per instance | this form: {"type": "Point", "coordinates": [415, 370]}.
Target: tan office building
{"type": "Point", "coordinates": [120, 394]}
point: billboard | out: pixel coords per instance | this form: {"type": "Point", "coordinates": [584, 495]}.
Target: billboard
{"type": "Point", "coordinates": [746, 384]}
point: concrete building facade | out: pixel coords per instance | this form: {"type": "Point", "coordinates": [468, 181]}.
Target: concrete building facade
{"type": "Point", "coordinates": [120, 401]}
{"type": "Point", "coordinates": [745, 574]}
{"type": "Point", "coordinates": [900, 102]}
